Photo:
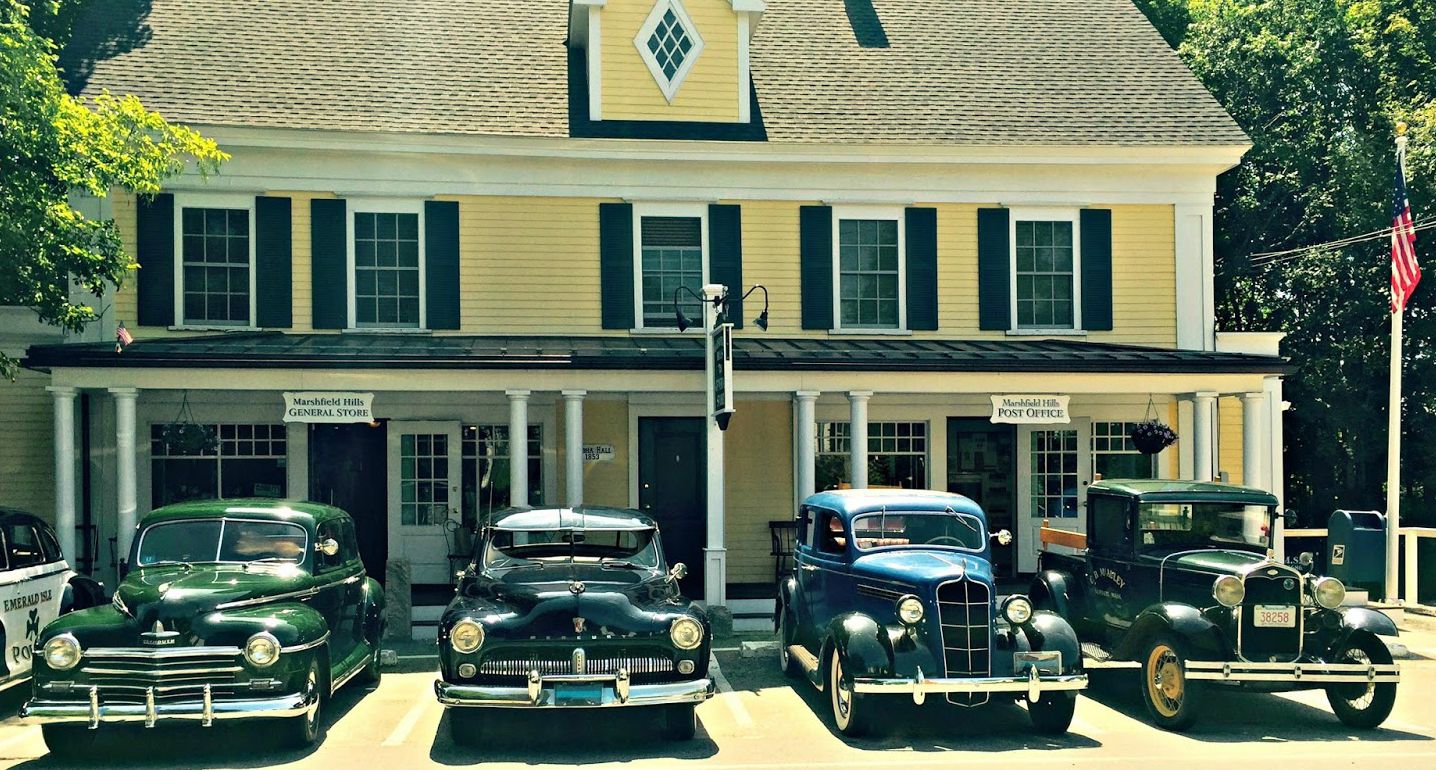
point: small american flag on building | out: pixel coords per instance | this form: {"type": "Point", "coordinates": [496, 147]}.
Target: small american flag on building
{"type": "Point", "coordinates": [1405, 273]}
{"type": "Point", "coordinates": [123, 338]}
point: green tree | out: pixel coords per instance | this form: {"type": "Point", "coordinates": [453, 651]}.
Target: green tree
{"type": "Point", "coordinates": [1318, 86]}
{"type": "Point", "coordinates": [52, 145]}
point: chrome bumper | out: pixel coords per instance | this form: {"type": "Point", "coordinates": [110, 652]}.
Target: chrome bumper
{"type": "Point", "coordinates": [1033, 684]}
{"type": "Point", "coordinates": [1326, 673]}
{"type": "Point", "coordinates": [542, 692]}
{"type": "Point", "coordinates": [204, 710]}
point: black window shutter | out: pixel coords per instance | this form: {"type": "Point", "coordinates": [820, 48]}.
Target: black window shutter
{"type": "Point", "coordinates": [725, 255]}
{"type": "Point", "coordinates": [994, 265]}
{"type": "Point", "coordinates": [441, 263]}
{"type": "Point", "coordinates": [155, 251]}
{"type": "Point", "coordinates": [921, 238]}
{"type": "Point", "coordinates": [329, 268]}
{"type": "Point", "coordinates": [1096, 269]}
{"type": "Point", "coordinates": [815, 250]}
{"type": "Point", "coordinates": [273, 263]}
{"type": "Point", "coordinates": [615, 264]}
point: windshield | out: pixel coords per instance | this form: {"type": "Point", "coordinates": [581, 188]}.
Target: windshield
{"type": "Point", "coordinates": [888, 529]}
{"type": "Point", "coordinates": [615, 547]}
{"type": "Point", "coordinates": [222, 540]}
{"type": "Point", "coordinates": [1197, 525]}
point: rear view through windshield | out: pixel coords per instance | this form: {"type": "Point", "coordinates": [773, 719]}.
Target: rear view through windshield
{"type": "Point", "coordinates": [514, 547]}
{"type": "Point", "coordinates": [890, 529]}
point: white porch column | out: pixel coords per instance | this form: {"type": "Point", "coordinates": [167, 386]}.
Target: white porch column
{"type": "Point", "coordinates": [125, 503]}
{"type": "Point", "coordinates": [1254, 422]}
{"type": "Point", "coordinates": [64, 398]}
{"type": "Point", "coordinates": [573, 447]}
{"type": "Point", "coordinates": [518, 447]}
{"type": "Point", "coordinates": [805, 446]}
{"type": "Point", "coordinates": [1275, 465]}
{"type": "Point", "coordinates": [858, 437]}
{"type": "Point", "coordinates": [1203, 427]}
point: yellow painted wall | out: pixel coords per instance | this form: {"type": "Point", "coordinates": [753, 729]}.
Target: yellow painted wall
{"type": "Point", "coordinates": [604, 422]}
{"type": "Point", "coordinates": [758, 475]}
{"type": "Point", "coordinates": [126, 299]}
{"type": "Point", "coordinates": [770, 258]}
{"type": "Point", "coordinates": [1144, 277]}
{"type": "Point", "coordinates": [1229, 438]}
{"type": "Point", "coordinates": [27, 455]}
{"type": "Point", "coordinates": [710, 91]}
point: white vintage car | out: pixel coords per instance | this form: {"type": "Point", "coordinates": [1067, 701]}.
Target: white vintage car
{"type": "Point", "coordinates": [36, 586]}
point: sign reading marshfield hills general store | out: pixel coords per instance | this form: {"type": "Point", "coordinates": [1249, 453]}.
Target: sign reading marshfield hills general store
{"type": "Point", "coordinates": [1030, 409]}
{"type": "Point", "coordinates": [317, 406]}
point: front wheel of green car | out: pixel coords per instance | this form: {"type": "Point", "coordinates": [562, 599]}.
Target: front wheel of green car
{"type": "Point", "coordinates": [69, 741]}
{"type": "Point", "coordinates": [680, 722]}
{"type": "Point", "coordinates": [466, 726]}
{"type": "Point", "coordinates": [1052, 713]}
{"type": "Point", "coordinates": [850, 709]}
{"type": "Point", "coordinates": [301, 732]}
{"type": "Point", "coordinates": [1172, 700]}
{"type": "Point", "coordinates": [372, 673]}
{"type": "Point", "coordinates": [1363, 705]}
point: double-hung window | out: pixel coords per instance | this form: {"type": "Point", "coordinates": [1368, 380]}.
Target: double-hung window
{"type": "Point", "coordinates": [214, 283]}
{"type": "Point", "coordinates": [869, 273]}
{"type": "Point", "coordinates": [671, 255]}
{"type": "Point", "coordinates": [387, 262]}
{"type": "Point", "coordinates": [1045, 270]}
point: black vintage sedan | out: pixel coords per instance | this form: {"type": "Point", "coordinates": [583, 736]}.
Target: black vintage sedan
{"type": "Point", "coordinates": [571, 608]}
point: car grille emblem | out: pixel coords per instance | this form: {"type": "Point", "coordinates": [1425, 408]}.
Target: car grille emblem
{"type": "Point", "coordinates": [580, 661]}
{"type": "Point", "coordinates": [578, 625]}
{"type": "Point", "coordinates": [577, 587]}
{"type": "Point", "coordinates": [157, 636]}
{"type": "Point", "coordinates": [1288, 584]}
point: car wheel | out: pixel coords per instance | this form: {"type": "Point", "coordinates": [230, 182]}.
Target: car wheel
{"type": "Point", "coordinates": [850, 712]}
{"type": "Point", "coordinates": [304, 731]}
{"type": "Point", "coordinates": [786, 663]}
{"type": "Point", "coordinates": [680, 722]}
{"type": "Point", "coordinates": [466, 726]}
{"type": "Point", "coordinates": [1363, 705]}
{"type": "Point", "coordinates": [1052, 713]}
{"type": "Point", "coordinates": [69, 741]}
{"type": "Point", "coordinates": [1172, 700]}
{"type": "Point", "coordinates": [373, 673]}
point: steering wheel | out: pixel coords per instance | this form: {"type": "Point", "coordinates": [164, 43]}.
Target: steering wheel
{"type": "Point", "coordinates": [954, 541]}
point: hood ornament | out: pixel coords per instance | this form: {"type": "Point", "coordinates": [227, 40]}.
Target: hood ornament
{"type": "Point", "coordinates": [578, 625]}
{"type": "Point", "coordinates": [576, 587]}
{"type": "Point", "coordinates": [157, 636]}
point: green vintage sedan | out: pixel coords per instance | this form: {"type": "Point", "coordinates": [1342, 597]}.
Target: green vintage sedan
{"type": "Point", "coordinates": [232, 609]}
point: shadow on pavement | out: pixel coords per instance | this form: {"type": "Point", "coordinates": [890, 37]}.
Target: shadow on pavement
{"type": "Point", "coordinates": [1233, 716]}
{"type": "Point", "coordinates": [581, 737]}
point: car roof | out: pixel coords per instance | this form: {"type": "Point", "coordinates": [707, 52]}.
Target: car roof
{"type": "Point", "coordinates": [13, 515]}
{"type": "Point", "coordinates": [582, 517]}
{"type": "Point", "coordinates": [299, 512]}
{"type": "Point", "coordinates": [851, 502]}
{"type": "Point", "coordinates": [1169, 490]}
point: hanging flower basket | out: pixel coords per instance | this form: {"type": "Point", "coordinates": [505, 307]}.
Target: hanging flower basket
{"type": "Point", "coordinates": [187, 438]}
{"type": "Point", "coordinates": [1151, 437]}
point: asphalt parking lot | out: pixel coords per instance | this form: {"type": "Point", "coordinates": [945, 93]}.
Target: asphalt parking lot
{"type": "Point", "coordinates": [762, 720]}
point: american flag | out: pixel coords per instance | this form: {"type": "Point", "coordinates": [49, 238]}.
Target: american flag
{"type": "Point", "coordinates": [123, 338]}
{"type": "Point", "coordinates": [1405, 273]}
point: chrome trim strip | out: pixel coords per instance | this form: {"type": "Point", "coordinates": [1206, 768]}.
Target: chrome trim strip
{"type": "Point", "coordinates": [207, 715]}
{"type": "Point", "coordinates": [58, 712]}
{"type": "Point", "coordinates": [459, 695]}
{"type": "Point", "coordinates": [350, 674]}
{"type": "Point", "coordinates": [1213, 670]}
{"type": "Point", "coordinates": [306, 645]}
{"type": "Point", "coordinates": [300, 594]}
{"type": "Point", "coordinates": [1030, 684]}
{"type": "Point", "coordinates": [172, 652]}
{"type": "Point", "coordinates": [161, 673]}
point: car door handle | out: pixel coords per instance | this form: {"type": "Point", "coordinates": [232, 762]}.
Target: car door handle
{"type": "Point", "coordinates": [809, 568]}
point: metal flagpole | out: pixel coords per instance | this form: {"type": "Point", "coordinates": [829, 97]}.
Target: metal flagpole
{"type": "Point", "coordinates": [1393, 422]}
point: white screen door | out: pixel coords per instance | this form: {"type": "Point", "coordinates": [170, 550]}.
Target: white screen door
{"type": "Point", "coordinates": [1057, 464]}
{"type": "Point", "coordinates": [424, 477]}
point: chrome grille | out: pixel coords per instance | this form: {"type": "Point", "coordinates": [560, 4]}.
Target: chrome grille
{"type": "Point", "coordinates": [1267, 584]}
{"type": "Point", "coordinates": [165, 670]}
{"type": "Point", "coordinates": [964, 611]}
{"type": "Point", "coordinates": [604, 666]}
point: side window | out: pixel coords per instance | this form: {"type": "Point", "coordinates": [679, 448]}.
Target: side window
{"type": "Point", "coordinates": [805, 526]}
{"type": "Point", "coordinates": [23, 546]}
{"type": "Point", "coordinates": [50, 545]}
{"type": "Point", "coordinates": [832, 538]}
{"type": "Point", "coordinates": [1109, 532]}
{"type": "Point", "coordinates": [348, 543]}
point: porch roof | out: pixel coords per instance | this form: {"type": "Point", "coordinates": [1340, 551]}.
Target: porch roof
{"type": "Point", "coordinates": [279, 350]}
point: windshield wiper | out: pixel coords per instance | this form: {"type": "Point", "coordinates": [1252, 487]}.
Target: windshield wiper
{"type": "Point", "coordinates": [271, 560]}
{"type": "Point", "coordinates": [518, 563]}
{"type": "Point", "coordinates": [621, 564]}
{"type": "Point", "coordinates": [169, 562]}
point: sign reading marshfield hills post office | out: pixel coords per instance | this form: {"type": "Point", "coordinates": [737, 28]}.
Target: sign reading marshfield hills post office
{"type": "Point", "coordinates": [318, 406]}
{"type": "Point", "coordinates": [1025, 410]}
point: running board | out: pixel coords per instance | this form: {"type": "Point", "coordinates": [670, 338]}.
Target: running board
{"type": "Point", "coordinates": [809, 662]}
{"type": "Point", "coordinates": [1094, 657]}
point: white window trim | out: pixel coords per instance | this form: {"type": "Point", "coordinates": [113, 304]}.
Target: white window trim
{"type": "Point", "coordinates": [198, 200]}
{"type": "Point", "coordinates": [641, 210]}
{"type": "Point", "coordinates": [1045, 214]}
{"type": "Point", "coordinates": [384, 206]}
{"type": "Point", "coordinates": [640, 41]}
{"type": "Point", "coordinates": [896, 214]}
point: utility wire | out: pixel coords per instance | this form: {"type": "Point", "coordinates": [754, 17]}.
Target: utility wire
{"type": "Point", "coordinates": [1268, 258]}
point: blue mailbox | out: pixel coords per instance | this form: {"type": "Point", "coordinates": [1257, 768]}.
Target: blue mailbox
{"type": "Point", "coordinates": [1356, 549]}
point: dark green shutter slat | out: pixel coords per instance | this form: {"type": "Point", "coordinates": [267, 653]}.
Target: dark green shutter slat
{"type": "Point", "coordinates": [273, 263]}
{"type": "Point", "coordinates": [329, 269]}
{"type": "Point", "coordinates": [815, 248]}
{"type": "Point", "coordinates": [725, 255]}
{"type": "Point", "coordinates": [615, 264]}
{"type": "Point", "coordinates": [1096, 269]}
{"type": "Point", "coordinates": [155, 251]}
{"type": "Point", "coordinates": [441, 263]}
{"type": "Point", "coordinates": [994, 265]}
{"type": "Point", "coordinates": [921, 236]}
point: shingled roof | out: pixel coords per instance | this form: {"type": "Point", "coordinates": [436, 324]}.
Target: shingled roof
{"type": "Point", "coordinates": [963, 72]}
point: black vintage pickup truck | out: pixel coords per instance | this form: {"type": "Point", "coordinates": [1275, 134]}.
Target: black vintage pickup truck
{"type": "Point", "coordinates": [1177, 578]}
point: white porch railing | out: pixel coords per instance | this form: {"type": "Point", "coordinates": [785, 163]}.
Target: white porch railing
{"type": "Point", "coordinates": [1411, 545]}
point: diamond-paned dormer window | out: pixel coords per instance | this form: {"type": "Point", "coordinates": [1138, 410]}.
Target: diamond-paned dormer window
{"type": "Point", "coordinates": [669, 44]}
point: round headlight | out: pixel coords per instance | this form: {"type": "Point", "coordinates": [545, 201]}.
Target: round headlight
{"type": "Point", "coordinates": [1017, 610]}
{"type": "Point", "coordinates": [1229, 590]}
{"type": "Point", "coordinates": [686, 633]}
{"type": "Point", "coordinates": [262, 649]}
{"type": "Point", "coordinates": [466, 636]}
{"type": "Point", "coordinates": [1329, 592]}
{"type": "Point", "coordinates": [909, 610]}
{"type": "Point", "coordinates": [62, 653]}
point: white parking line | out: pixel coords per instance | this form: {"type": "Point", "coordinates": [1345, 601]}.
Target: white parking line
{"type": "Point", "coordinates": [728, 696]}
{"type": "Point", "coordinates": [411, 718]}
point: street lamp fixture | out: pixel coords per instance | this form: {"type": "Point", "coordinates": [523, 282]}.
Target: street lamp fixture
{"type": "Point", "coordinates": [720, 307]}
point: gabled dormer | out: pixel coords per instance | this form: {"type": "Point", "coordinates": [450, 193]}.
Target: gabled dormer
{"type": "Point", "coordinates": [660, 61]}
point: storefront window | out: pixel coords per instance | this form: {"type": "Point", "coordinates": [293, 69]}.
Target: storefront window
{"type": "Point", "coordinates": [1054, 474]}
{"type": "Point", "coordinates": [244, 460]}
{"type": "Point", "coordinates": [486, 470]}
{"type": "Point", "coordinates": [1115, 457]}
{"type": "Point", "coordinates": [897, 455]}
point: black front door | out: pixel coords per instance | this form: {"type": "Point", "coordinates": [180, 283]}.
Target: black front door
{"type": "Point", "coordinates": [348, 470]}
{"type": "Point", "coordinates": [982, 465]}
{"type": "Point", "coordinates": [672, 488]}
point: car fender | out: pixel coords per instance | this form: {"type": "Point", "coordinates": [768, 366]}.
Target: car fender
{"type": "Point", "coordinates": [293, 624]}
{"type": "Point", "coordinates": [1367, 619]}
{"type": "Point", "coordinates": [372, 611]}
{"type": "Point", "coordinates": [862, 644]}
{"type": "Point", "coordinates": [1203, 638]}
{"type": "Point", "coordinates": [1057, 591]}
{"type": "Point", "coordinates": [785, 599]}
{"type": "Point", "coordinates": [81, 593]}
{"type": "Point", "coordinates": [1049, 632]}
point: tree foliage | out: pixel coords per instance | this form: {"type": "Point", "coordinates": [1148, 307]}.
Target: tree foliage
{"type": "Point", "coordinates": [52, 145]}
{"type": "Point", "coordinates": [1318, 85]}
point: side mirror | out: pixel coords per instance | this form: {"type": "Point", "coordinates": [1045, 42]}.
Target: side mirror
{"type": "Point", "coordinates": [1289, 519]}
{"type": "Point", "coordinates": [328, 546]}
{"type": "Point", "coordinates": [1305, 560]}
{"type": "Point", "coordinates": [679, 571]}
{"type": "Point", "coordinates": [1003, 537]}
